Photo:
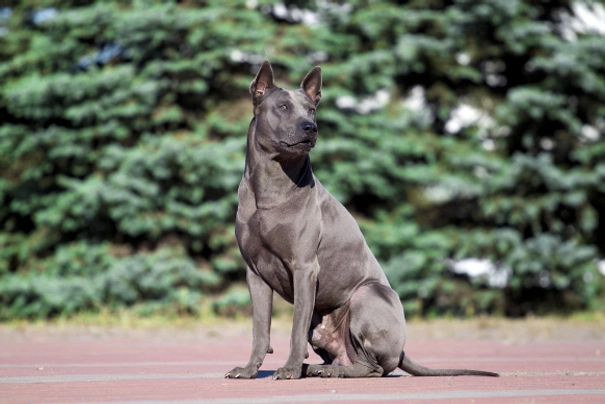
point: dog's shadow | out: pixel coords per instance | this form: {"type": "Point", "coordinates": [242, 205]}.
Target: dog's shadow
{"type": "Point", "coordinates": [265, 374]}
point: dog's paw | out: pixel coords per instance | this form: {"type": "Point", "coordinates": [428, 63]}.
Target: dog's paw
{"type": "Point", "coordinates": [324, 371]}
{"type": "Point", "coordinates": [314, 370]}
{"type": "Point", "coordinates": [242, 373]}
{"type": "Point", "coordinates": [287, 373]}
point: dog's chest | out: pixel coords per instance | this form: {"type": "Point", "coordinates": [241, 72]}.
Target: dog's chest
{"type": "Point", "coordinates": [280, 238]}
{"type": "Point", "coordinates": [286, 233]}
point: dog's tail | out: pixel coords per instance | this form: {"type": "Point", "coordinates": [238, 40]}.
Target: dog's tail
{"type": "Point", "coordinates": [411, 367]}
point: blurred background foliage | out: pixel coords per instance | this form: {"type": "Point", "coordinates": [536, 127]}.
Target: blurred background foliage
{"type": "Point", "coordinates": [466, 137]}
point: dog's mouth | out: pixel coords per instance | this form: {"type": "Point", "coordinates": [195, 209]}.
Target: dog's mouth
{"type": "Point", "coordinates": [307, 143]}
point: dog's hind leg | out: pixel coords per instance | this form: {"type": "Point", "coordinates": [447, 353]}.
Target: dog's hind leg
{"type": "Point", "coordinates": [375, 335]}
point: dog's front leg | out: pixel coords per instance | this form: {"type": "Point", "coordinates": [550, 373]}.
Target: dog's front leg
{"type": "Point", "coordinates": [305, 280]}
{"type": "Point", "coordinates": [261, 296]}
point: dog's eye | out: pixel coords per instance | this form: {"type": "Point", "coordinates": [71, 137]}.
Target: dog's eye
{"type": "Point", "coordinates": [312, 111]}
{"type": "Point", "coordinates": [283, 107]}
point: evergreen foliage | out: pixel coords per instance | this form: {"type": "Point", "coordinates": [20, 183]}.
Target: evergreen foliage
{"type": "Point", "coordinates": [451, 129]}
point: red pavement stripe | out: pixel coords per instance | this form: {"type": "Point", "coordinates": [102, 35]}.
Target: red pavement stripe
{"type": "Point", "coordinates": [104, 377]}
{"type": "Point", "coordinates": [126, 376]}
{"type": "Point", "coordinates": [191, 370]}
{"type": "Point", "coordinates": [49, 364]}
{"type": "Point", "coordinates": [450, 395]}
{"type": "Point", "coordinates": [268, 362]}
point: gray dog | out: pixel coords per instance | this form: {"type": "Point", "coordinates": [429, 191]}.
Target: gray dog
{"type": "Point", "coordinates": [300, 242]}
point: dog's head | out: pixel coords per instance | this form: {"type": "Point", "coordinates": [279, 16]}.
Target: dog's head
{"type": "Point", "coordinates": [285, 119]}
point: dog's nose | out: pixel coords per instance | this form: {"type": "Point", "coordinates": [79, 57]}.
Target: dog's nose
{"type": "Point", "coordinates": [309, 127]}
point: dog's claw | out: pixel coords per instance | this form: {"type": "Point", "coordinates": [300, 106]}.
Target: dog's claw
{"type": "Point", "coordinates": [241, 373]}
{"type": "Point", "coordinates": [287, 374]}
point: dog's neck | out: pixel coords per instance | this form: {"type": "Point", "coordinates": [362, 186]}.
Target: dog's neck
{"type": "Point", "coordinates": [274, 181]}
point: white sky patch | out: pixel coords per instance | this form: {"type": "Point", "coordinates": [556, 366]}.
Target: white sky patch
{"type": "Point", "coordinates": [546, 143]}
{"type": "Point", "coordinates": [502, 131]}
{"type": "Point", "coordinates": [238, 56]}
{"type": "Point", "coordinates": [376, 101]}
{"type": "Point", "coordinates": [5, 13]}
{"type": "Point", "coordinates": [601, 266]}
{"type": "Point", "coordinates": [438, 194]}
{"type": "Point", "coordinates": [584, 19]}
{"type": "Point", "coordinates": [495, 80]}
{"type": "Point", "coordinates": [294, 14]}
{"type": "Point", "coordinates": [416, 101]}
{"type": "Point", "coordinates": [463, 58]}
{"type": "Point", "coordinates": [43, 15]}
{"type": "Point", "coordinates": [488, 144]}
{"type": "Point", "coordinates": [481, 172]}
{"type": "Point", "coordinates": [466, 115]}
{"type": "Point", "coordinates": [302, 15]}
{"type": "Point", "coordinates": [328, 5]}
{"type": "Point", "coordinates": [491, 71]}
{"type": "Point", "coordinates": [496, 277]}
{"type": "Point", "coordinates": [318, 57]}
{"type": "Point", "coordinates": [590, 133]}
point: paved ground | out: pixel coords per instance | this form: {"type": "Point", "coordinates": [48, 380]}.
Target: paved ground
{"type": "Point", "coordinates": [99, 365]}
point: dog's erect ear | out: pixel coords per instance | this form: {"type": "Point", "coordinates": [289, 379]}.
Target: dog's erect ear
{"type": "Point", "coordinates": [311, 84]}
{"type": "Point", "coordinates": [262, 82]}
